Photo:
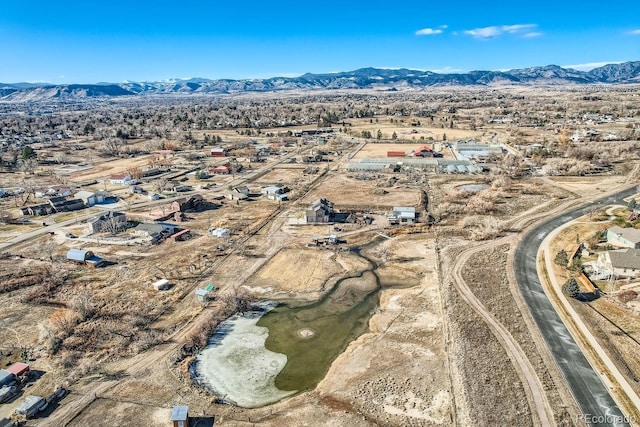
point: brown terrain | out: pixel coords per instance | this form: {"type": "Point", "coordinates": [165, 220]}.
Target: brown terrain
{"type": "Point", "coordinates": [451, 341]}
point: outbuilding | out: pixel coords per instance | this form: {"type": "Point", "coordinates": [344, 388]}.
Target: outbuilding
{"type": "Point", "coordinates": [19, 369]}
{"type": "Point", "coordinates": [202, 295]}
{"type": "Point", "coordinates": [180, 416]}
{"type": "Point", "coordinates": [83, 256]}
{"type": "Point", "coordinates": [161, 285]}
{"type": "Point", "coordinates": [6, 377]}
{"type": "Point", "coordinates": [30, 406]}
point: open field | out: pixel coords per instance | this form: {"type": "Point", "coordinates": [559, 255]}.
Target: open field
{"type": "Point", "coordinates": [349, 192]}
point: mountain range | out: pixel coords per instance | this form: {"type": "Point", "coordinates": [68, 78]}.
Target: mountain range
{"type": "Point", "coordinates": [364, 78]}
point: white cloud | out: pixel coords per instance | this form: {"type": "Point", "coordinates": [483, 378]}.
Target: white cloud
{"type": "Point", "coordinates": [523, 30]}
{"type": "Point", "coordinates": [634, 32]}
{"type": "Point", "coordinates": [590, 65]}
{"type": "Point", "coordinates": [429, 31]}
{"type": "Point", "coordinates": [484, 33]}
{"type": "Point", "coordinates": [517, 28]}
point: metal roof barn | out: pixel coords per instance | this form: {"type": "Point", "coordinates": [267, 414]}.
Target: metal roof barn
{"type": "Point", "coordinates": [6, 377]}
{"type": "Point", "coordinates": [78, 254]}
{"type": "Point", "coordinates": [30, 406]}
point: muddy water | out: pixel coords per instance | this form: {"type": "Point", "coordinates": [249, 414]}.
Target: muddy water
{"type": "Point", "coordinates": [312, 336]}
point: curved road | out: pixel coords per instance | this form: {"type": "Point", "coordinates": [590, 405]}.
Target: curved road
{"type": "Point", "coordinates": [591, 394]}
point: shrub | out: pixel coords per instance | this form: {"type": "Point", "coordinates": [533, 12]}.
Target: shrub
{"type": "Point", "coordinates": [571, 288]}
{"type": "Point", "coordinates": [562, 258]}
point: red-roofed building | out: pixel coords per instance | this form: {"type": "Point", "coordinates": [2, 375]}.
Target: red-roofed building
{"type": "Point", "coordinates": [121, 179]}
{"type": "Point", "coordinates": [395, 154]}
{"type": "Point", "coordinates": [424, 151]}
{"type": "Point", "coordinates": [18, 368]}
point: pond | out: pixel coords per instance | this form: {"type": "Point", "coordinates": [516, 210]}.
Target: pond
{"type": "Point", "coordinates": [267, 355]}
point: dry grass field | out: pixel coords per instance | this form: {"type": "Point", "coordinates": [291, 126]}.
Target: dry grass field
{"type": "Point", "coordinates": [350, 192]}
{"type": "Point", "coordinates": [298, 270]}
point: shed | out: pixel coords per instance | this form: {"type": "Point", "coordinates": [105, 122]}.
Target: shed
{"type": "Point", "coordinates": [182, 235]}
{"type": "Point", "coordinates": [18, 368]}
{"type": "Point", "coordinates": [202, 295]}
{"type": "Point", "coordinates": [219, 232]}
{"type": "Point", "coordinates": [79, 255]}
{"type": "Point", "coordinates": [6, 377]}
{"type": "Point", "coordinates": [161, 284]}
{"type": "Point", "coordinates": [180, 416]}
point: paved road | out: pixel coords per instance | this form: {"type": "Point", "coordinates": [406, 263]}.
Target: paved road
{"type": "Point", "coordinates": [591, 394]}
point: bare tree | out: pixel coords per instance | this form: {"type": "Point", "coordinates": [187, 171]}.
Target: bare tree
{"type": "Point", "coordinates": [113, 224]}
{"type": "Point", "coordinates": [112, 146]}
{"type": "Point", "coordinates": [160, 184]}
{"type": "Point", "coordinates": [28, 165]}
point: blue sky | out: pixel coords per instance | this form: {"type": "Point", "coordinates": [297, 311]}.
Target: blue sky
{"type": "Point", "coordinates": [111, 41]}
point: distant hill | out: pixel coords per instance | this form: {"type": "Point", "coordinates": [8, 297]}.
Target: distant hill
{"type": "Point", "coordinates": [364, 78]}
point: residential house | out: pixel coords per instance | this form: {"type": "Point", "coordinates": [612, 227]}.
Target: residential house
{"type": "Point", "coordinates": [236, 195]}
{"type": "Point", "coordinates": [624, 237]}
{"type": "Point", "coordinates": [319, 211]}
{"type": "Point", "coordinates": [120, 179]}
{"type": "Point", "coordinates": [402, 215]}
{"type": "Point", "coordinates": [156, 231]}
{"type": "Point", "coordinates": [221, 169]}
{"type": "Point", "coordinates": [195, 203]}
{"type": "Point", "coordinates": [180, 416]}
{"type": "Point", "coordinates": [109, 222]}
{"type": "Point", "coordinates": [83, 256]}
{"type": "Point", "coordinates": [53, 191]}
{"type": "Point", "coordinates": [61, 204]}
{"type": "Point", "coordinates": [619, 263]}
{"type": "Point", "coordinates": [243, 190]}
{"type": "Point", "coordinates": [218, 152]}
{"type": "Point", "coordinates": [38, 210]}
{"type": "Point", "coordinates": [91, 198]}
{"type": "Point", "coordinates": [275, 192]}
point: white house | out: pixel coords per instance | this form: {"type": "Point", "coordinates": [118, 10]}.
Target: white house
{"type": "Point", "coordinates": [120, 179]}
{"type": "Point", "coordinates": [275, 192]}
{"type": "Point", "coordinates": [620, 263]}
{"type": "Point", "coordinates": [402, 215]}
